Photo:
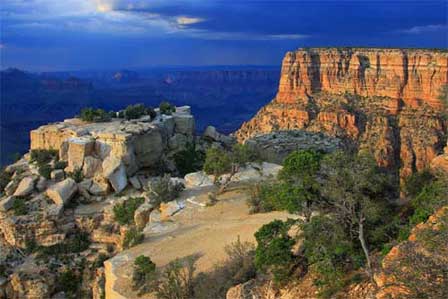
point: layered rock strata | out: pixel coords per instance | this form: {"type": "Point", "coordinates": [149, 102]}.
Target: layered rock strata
{"type": "Point", "coordinates": [387, 101]}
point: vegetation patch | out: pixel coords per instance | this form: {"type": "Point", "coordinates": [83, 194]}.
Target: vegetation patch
{"type": "Point", "coordinates": [94, 115]}
{"type": "Point", "coordinates": [124, 212]}
{"type": "Point", "coordinates": [166, 108]}
{"type": "Point", "coordinates": [132, 237]}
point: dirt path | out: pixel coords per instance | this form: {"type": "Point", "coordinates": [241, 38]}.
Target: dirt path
{"type": "Point", "coordinates": [202, 231]}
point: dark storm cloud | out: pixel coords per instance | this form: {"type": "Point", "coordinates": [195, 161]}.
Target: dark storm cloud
{"type": "Point", "coordinates": [55, 34]}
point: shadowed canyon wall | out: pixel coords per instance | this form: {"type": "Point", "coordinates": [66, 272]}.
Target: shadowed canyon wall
{"type": "Point", "coordinates": [386, 101]}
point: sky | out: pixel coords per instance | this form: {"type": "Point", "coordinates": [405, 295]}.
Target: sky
{"type": "Point", "coordinates": [51, 35]}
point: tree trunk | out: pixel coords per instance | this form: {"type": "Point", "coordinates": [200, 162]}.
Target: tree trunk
{"type": "Point", "coordinates": [365, 249]}
{"type": "Point", "coordinates": [223, 187]}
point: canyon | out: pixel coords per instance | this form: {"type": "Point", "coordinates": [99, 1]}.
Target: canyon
{"type": "Point", "coordinates": [385, 101]}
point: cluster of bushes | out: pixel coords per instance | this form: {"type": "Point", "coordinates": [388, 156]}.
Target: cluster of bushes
{"type": "Point", "coordinates": [42, 158]}
{"type": "Point", "coordinates": [5, 178]}
{"type": "Point", "coordinates": [348, 216]}
{"type": "Point", "coordinates": [219, 161]}
{"type": "Point", "coordinates": [189, 160]}
{"type": "Point", "coordinates": [124, 212]}
{"type": "Point", "coordinates": [178, 279]}
{"type": "Point", "coordinates": [166, 108]}
{"type": "Point", "coordinates": [136, 111]}
{"type": "Point", "coordinates": [77, 242]}
{"type": "Point", "coordinates": [19, 206]}
{"type": "Point", "coordinates": [94, 115]}
{"type": "Point", "coordinates": [132, 237]}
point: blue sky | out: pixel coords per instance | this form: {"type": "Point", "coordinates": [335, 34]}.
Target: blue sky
{"type": "Point", "coordinates": [43, 35]}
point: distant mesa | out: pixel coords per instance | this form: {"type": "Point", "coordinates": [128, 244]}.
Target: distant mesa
{"type": "Point", "coordinates": [386, 101]}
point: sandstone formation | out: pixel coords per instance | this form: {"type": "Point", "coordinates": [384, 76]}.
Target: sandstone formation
{"type": "Point", "coordinates": [114, 151]}
{"type": "Point", "coordinates": [383, 100]}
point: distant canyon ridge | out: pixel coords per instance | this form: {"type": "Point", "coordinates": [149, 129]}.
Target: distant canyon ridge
{"type": "Point", "coordinates": [386, 101]}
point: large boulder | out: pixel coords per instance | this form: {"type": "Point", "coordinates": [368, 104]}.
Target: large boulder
{"type": "Point", "coordinates": [6, 203]}
{"type": "Point", "coordinates": [212, 134]}
{"type": "Point", "coordinates": [149, 148]}
{"type": "Point", "coordinates": [115, 171]}
{"type": "Point", "coordinates": [62, 192]}
{"type": "Point", "coordinates": [198, 179]}
{"type": "Point", "coordinates": [91, 167]}
{"type": "Point", "coordinates": [11, 187]}
{"type": "Point", "coordinates": [26, 186]}
{"type": "Point", "coordinates": [78, 148]}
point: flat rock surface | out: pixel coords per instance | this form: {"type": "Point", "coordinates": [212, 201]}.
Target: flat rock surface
{"type": "Point", "coordinates": [195, 230]}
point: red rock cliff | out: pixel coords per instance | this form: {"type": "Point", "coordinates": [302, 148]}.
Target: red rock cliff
{"type": "Point", "coordinates": [385, 100]}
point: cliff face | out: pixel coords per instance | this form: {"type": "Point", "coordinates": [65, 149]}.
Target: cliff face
{"type": "Point", "coordinates": [384, 100]}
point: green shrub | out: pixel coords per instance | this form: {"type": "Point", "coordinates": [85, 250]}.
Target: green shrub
{"type": "Point", "coordinates": [42, 156]}
{"type": "Point", "coordinates": [45, 171]}
{"type": "Point", "coordinates": [415, 182]}
{"type": "Point", "coordinates": [189, 160]}
{"type": "Point", "coordinates": [274, 251]}
{"type": "Point", "coordinates": [76, 175]}
{"type": "Point", "coordinates": [217, 162]}
{"type": "Point", "coordinates": [124, 212]}
{"type": "Point", "coordinates": [330, 252]}
{"type": "Point", "coordinates": [144, 276]}
{"type": "Point", "coordinates": [166, 108]}
{"type": "Point", "coordinates": [262, 198]}
{"type": "Point", "coordinates": [238, 267]}
{"type": "Point", "coordinates": [60, 164]}
{"type": "Point", "coordinates": [176, 281]}
{"type": "Point", "coordinates": [19, 206]}
{"type": "Point", "coordinates": [99, 262]}
{"type": "Point", "coordinates": [69, 282]}
{"type": "Point", "coordinates": [94, 115]}
{"type": "Point", "coordinates": [132, 237]}
{"type": "Point", "coordinates": [138, 110]}
{"type": "Point", "coordinates": [75, 243]}
{"type": "Point", "coordinates": [5, 178]}
{"type": "Point", "coordinates": [242, 154]}
{"type": "Point", "coordinates": [164, 190]}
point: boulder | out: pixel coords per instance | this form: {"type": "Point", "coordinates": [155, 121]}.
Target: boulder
{"type": "Point", "coordinates": [212, 134]}
{"type": "Point", "coordinates": [91, 167]}
{"type": "Point", "coordinates": [115, 172]}
{"type": "Point", "coordinates": [78, 149]}
{"type": "Point", "coordinates": [41, 184]}
{"type": "Point", "coordinates": [135, 182]}
{"type": "Point", "coordinates": [141, 215]}
{"type": "Point", "coordinates": [26, 186]}
{"type": "Point", "coordinates": [83, 188]}
{"type": "Point", "coordinates": [11, 187]}
{"type": "Point", "coordinates": [184, 123]}
{"type": "Point", "coordinates": [198, 179]}
{"type": "Point", "coordinates": [149, 147]}
{"type": "Point", "coordinates": [6, 203]}
{"type": "Point", "coordinates": [270, 169]}
{"type": "Point", "coordinates": [62, 192]}
{"type": "Point", "coordinates": [57, 175]}
{"type": "Point", "coordinates": [170, 208]}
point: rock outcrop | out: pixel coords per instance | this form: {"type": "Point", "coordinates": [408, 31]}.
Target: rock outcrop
{"type": "Point", "coordinates": [114, 151]}
{"type": "Point", "coordinates": [383, 100]}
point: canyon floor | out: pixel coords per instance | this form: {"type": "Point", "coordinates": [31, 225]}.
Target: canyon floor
{"type": "Point", "coordinates": [195, 230]}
